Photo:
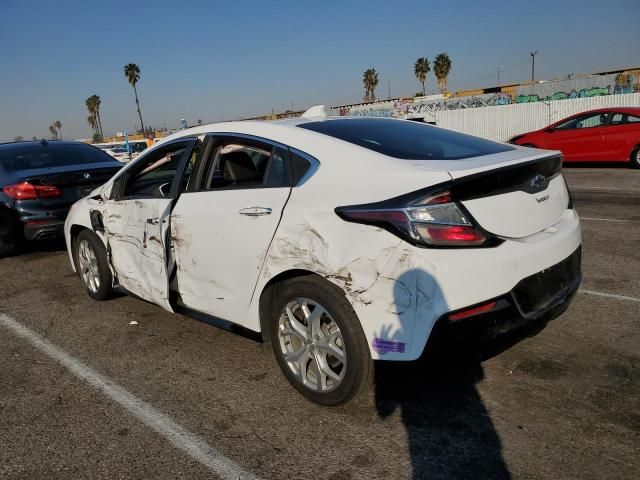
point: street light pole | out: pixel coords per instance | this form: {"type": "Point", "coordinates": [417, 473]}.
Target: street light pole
{"type": "Point", "coordinates": [533, 64]}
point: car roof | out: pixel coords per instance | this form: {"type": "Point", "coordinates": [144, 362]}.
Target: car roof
{"type": "Point", "coordinates": [34, 143]}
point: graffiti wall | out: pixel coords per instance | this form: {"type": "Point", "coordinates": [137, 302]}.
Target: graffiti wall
{"type": "Point", "coordinates": [584, 87]}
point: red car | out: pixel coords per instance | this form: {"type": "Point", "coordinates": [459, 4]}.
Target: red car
{"type": "Point", "coordinates": [608, 134]}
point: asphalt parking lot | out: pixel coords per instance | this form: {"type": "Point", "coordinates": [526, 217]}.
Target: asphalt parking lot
{"type": "Point", "coordinates": [171, 397]}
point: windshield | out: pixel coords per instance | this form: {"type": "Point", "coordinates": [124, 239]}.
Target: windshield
{"type": "Point", "coordinates": [50, 155]}
{"type": "Point", "coordinates": [406, 139]}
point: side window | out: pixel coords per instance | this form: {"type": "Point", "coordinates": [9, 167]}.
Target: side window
{"type": "Point", "coordinates": [189, 168]}
{"type": "Point", "coordinates": [623, 119]}
{"type": "Point", "coordinates": [278, 170]}
{"type": "Point", "coordinates": [302, 166]}
{"type": "Point", "coordinates": [154, 176]}
{"type": "Point", "coordinates": [585, 121]}
{"type": "Point", "coordinates": [236, 164]}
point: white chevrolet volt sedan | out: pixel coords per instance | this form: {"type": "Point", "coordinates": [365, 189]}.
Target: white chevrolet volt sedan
{"type": "Point", "coordinates": [337, 240]}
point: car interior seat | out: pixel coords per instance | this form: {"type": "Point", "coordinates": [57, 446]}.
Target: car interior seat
{"type": "Point", "coordinates": [239, 168]}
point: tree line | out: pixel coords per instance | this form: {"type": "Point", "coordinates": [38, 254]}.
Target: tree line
{"type": "Point", "coordinates": [441, 69]}
{"type": "Point", "coordinates": [132, 74]}
{"type": "Point", "coordinates": [370, 79]}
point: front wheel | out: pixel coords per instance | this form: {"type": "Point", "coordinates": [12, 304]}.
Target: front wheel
{"type": "Point", "coordinates": [635, 157]}
{"type": "Point", "coordinates": [318, 341]}
{"type": "Point", "coordinates": [92, 265]}
{"type": "Point", "coordinates": [7, 248]}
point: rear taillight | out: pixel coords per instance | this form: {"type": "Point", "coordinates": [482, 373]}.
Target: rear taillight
{"type": "Point", "coordinates": [436, 220]}
{"type": "Point", "coordinates": [28, 191]}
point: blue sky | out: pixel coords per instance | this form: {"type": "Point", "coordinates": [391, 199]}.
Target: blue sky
{"type": "Point", "coordinates": [212, 60]}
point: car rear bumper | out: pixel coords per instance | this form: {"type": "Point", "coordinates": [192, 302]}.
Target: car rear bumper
{"type": "Point", "coordinates": [43, 229]}
{"type": "Point", "coordinates": [538, 298]}
{"type": "Point", "coordinates": [37, 222]}
{"type": "Point", "coordinates": [416, 288]}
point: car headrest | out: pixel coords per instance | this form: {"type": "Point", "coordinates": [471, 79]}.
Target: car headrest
{"type": "Point", "coordinates": [238, 167]}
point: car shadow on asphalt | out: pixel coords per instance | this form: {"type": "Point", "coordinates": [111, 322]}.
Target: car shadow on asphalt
{"type": "Point", "coordinates": [450, 432]}
{"type": "Point", "coordinates": [28, 251]}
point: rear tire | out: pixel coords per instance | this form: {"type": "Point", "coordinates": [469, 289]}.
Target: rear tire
{"type": "Point", "coordinates": [322, 351]}
{"type": "Point", "coordinates": [92, 265]}
{"type": "Point", "coordinates": [635, 157]}
{"type": "Point", "coordinates": [7, 248]}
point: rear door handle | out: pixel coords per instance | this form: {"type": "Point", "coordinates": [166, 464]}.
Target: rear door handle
{"type": "Point", "coordinates": [255, 211]}
{"type": "Point", "coordinates": [153, 221]}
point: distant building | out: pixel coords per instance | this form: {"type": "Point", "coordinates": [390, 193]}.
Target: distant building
{"type": "Point", "coordinates": [183, 123]}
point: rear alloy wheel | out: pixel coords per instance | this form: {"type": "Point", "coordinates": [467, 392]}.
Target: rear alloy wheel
{"type": "Point", "coordinates": [635, 158]}
{"type": "Point", "coordinates": [7, 248]}
{"type": "Point", "coordinates": [319, 343]}
{"type": "Point", "coordinates": [92, 266]}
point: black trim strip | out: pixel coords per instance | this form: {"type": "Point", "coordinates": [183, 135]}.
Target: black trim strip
{"type": "Point", "coordinates": [498, 181]}
{"type": "Point", "coordinates": [513, 178]}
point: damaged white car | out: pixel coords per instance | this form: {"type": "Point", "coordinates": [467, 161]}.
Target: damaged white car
{"type": "Point", "coordinates": [338, 240]}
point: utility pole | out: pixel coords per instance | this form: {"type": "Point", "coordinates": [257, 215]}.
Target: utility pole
{"type": "Point", "coordinates": [388, 90]}
{"type": "Point", "coordinates": [533, 64]}
{"type": "Point", "coordinates": [498, 76]}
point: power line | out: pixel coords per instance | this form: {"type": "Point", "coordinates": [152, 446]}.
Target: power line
{"type": "Point", "coordinates": [502, 70]}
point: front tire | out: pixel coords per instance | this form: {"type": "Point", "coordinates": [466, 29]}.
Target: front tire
{"type": "Point", "coordinates": [318, 341]}
{"type": "Point", "coordinates": [635, 157]}
{"type": "Point", "coordinates": [92, 265]}
{"type": "Point", "coordinates": [7, 248]}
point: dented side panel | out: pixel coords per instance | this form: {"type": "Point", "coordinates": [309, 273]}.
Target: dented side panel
{"type": "Point", "coordinates": [134, 233]}
{"type": "Point", "coordinates": [220, 248]}
{"type": "Point", "coordinates": [398, 290]}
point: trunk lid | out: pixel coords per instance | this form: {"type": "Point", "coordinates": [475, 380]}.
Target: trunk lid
{"type": "Point", "coordinates": [514, 197]}
{"type": "Point", "coordinates": [75, 181]}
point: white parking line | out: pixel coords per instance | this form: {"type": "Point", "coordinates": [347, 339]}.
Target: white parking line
{"type": "Point", "coordinates": [609, 295]}
{"type": "Point", "coordinates": [176, 435]}
{"type": "Point", "coordinates": [618, 220]}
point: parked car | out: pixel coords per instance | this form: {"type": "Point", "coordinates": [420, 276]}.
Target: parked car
{"type": "Point", "coordinates": [121, 154]}
{"type": "Point", "coordinates": [39, 181]}
{"type": "Point", "coordinates": [119, 150]}
{"type": "Point", "coordinates": [338, 240]}
{"type": "Point", "coordinates": [609, 135]}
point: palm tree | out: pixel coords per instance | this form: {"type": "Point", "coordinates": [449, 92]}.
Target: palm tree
{"type": "Point", "coordinates": [92, 119]}
{"type": "Point", "coordinates": [34, 138]}
{"type": "Point", "coordinates": [52, 131]}
{"type": "Point", "coordinates": [19, 138]}
{"type": "Point", "coordinates": [199, 121]}
{"type": "Point", "coordinates": [58, 125]}
{"type": "Point", "coordinates": [370, 81]}
{"type": "Point", "coordinates": [93, 105]}
{"type": "Point", "coordinates": [132, 73]}
{"type": "Point", "coordinates": [420, 69]}
{"type": "Point", "coordinates": [97, 102]}
{"type": "Point", "coordinates": [442, 67]}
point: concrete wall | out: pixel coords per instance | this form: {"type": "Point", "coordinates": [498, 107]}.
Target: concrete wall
{"type": "Point", "coordinates": [503, 122]}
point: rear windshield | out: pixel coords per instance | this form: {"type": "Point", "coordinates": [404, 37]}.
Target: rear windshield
{"type": "Point", "coordinates": [406, 139]}
{"type": "Point", "coordinates": [26, 157]}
